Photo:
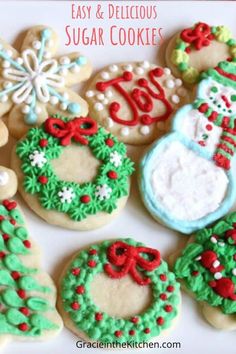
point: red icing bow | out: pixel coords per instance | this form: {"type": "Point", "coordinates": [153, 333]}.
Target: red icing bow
{"type": "Point", "coordinates": [200, 36]}
{"type": "Point", "coordinates": [127, 258]}
{"type": "Point", "coordinates": [74, 129]}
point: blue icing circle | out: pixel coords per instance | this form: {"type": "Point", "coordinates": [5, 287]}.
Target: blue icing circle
{"type": "Point", "coordinates": [46, 33]}
{"type": "Point", "coordinates": [31, 118]}
{"type": "Point", "coordinates": [74, 108]}
{"type": "Point", "coordinates": [81, 60]}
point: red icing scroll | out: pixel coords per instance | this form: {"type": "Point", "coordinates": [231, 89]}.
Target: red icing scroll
{"type": "Point", "coordinates": [200, 36]}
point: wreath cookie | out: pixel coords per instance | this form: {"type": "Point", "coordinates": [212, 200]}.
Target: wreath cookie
{"type": "Point", "coordinates": [207, 268]}
{"type": "Point", "coordinates": [35, 83]}
{"type": "Point", "coordinates": [117, 292]}
{"type": "Point", "coordinates": [73, 173]}
{"type": "Point", "coordinates": [197, 49]}
{"type": "Point", "coordinates": [135, 101]}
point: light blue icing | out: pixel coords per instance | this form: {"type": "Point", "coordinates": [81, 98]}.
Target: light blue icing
{"type": "Point", "coordinates": [155, 207]}
{"type": "Point", "coordinates": [74, 108]}
{"type": "Point", "coordinates": [81, 60]}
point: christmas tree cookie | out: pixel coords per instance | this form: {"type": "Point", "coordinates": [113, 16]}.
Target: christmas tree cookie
{"type": "Point", "coordinates": [119, 291]}
{"type": "Point", "coordinates": [135, 101]}
{"type": "Point", "coordinates": [186, 178]}
{"type": "Point", "coordinates": [197, 49]}
{"type": "Point", "coordinates": [73, 173]}
{"type": "Point", "coordinates": [35, 82]}
{"type": "Point", "coordinates": [207, 268]}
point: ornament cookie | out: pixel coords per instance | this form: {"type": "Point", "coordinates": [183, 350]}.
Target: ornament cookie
{"type": "Point", "coordinates": [186, 180]}
{"type": "Point", "coordinates": [135, 101]}
{"type": "Point", "coordinates": [197, 49]}
{"type": "Point", "coordinates": [119, 291]}
{"type": "Point", "coordinates": [73, 173]}
{"type": "Point", "coordinates": [207, 268]}
{"type": "Point", "coordinates": [35, 83]}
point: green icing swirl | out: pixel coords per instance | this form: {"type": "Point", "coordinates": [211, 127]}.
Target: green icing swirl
{"type": "Point", "coordinates": [48, 193]}
{"type": "Point", "coordinates": [104, 330]}
{"type": "Point", "coordinates": [196, 277]}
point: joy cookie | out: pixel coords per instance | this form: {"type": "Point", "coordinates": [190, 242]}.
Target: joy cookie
{"type": "Point", "coordinates": [135, 101]}
{"type": "Point", "coordinates": [117, 292]}
{"type": "Point", "coordinates": [197, 49]}
{"type": "Point", "coordinates": [35, 83]}
{"type": "Point", "coordinates": [207, 268]}
{"type": "Point", "coordinates": [186, 180]}
{"type": "Point", "coordinates": [73, 173]}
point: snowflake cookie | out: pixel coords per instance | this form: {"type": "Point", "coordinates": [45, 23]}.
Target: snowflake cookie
{"type": "Point", "coordinates": [186, 180]}
{"type": "Point", "coordinates": [35, 83]}
{"type": "Point", "coordinates": [135, 101]}
{"type": "Point", "coordinates": [199, 48]}
{"type": "Point", "coordinates": [207, 268]}
{"type": "Point", "coordinates": [74, 173]}
{"type": "Point", "coordinates": [144, 296]}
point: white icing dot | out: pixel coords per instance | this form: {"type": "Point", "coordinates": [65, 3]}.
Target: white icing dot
{"type": "Point", "coordinates": [100, 96]}
{"type": "Point", "coordinates": [217, 275]}
{"type": "Point", "coordinates": [145, 130]}
{"type": "Point", "coordinates": [63, 71]}
{"type": "Point", "coordinates": [234, 271]}
{"type": "Point", "coordinates": [64, 60]}
{"type": "Point", "coordinates": [25, 109]}
{"type": "Point", "coordinates": [128, 67]}
{"type": "Point", "coordinates": [9, 53]}
{"type": "Point", "coordinates": [213, 239]}
{"type": "Point", "coordinates": [170, 83]}
{"type": "Point", "coordinates": [65, 95]}
{"type": "Point", "coordinates": [75, 68]}
{"type": "Point", "coordinates": [145, 64]}
{"type": "Point", "coordinates": [19, 61]}
{"type": "Point", "coordinates": [113, 68]}
{"type": "Point", "coordinates": [182, 92]}
{"type": "Point", "coordinates": [105, 75]}
{"type": "Point", "coordinates": [4, 178]}
{"type": "Point", "coordinates": [108, 94]}
{"type": "Point", "coordinates": [63, 106]}
{"type": "Point", "coordinates": [38, 109]}
{"type": "Point", "coordinates": [36, 45]}
{"type": "Point", "coordinates": [221, 244]}
{"type": "Point", "coordinates": [198, 258]}
{"type": "Point", "coordinates": [7, 84]}
{"type": "Point", "coordinates": [6, 64]}
{"type": "Point", "coordinates": [29, 99]}
{"type": "Point", "coordinates": [139, 71]}
{"type": "Point", "coordinates": [98, 106]}
{"type": "Point", "coordinates": [47, 55]}
{"type": "Point", "coordinates": [89, 93]}
{"type": "Point", "coordinates": [54, 100]}
{"type": "Point", "coordinates": [167, 71]}
{"type": "Point", "coordinates": [178, 82]}
{"type": "Point", "coordinates": [216, 263]}
{"type": "Point", "coordinates": [109, 122]}
{"type": "Point", "coordinates": [175, 99]}
{"type": "Point", "coordinates": [3, 98]}
{"type": "Point", "coordinates": [124, 131]}
{"type": "Point", "coordinates": [105, 101]}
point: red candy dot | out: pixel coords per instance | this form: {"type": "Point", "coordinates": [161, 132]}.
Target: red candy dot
{"type": "Point", "coordinates": [98, 316]}
{"type": "Point", "coordinates": [195, 273]}
{"type": "Point", "coordinates": [101, 86]}
{"type": "Point", "coordinates": [25, 311]}
{"type": "Point", "coordinates": [147, 330]}
{"type": "Point", "coordinates": [92, 252]}
{"type": "Point", "coordinates": [209, 127]}
{"type": "Point", "coordinates": [188, 50]}
{"type": "Point", "coordinates": [109, 142]}
{"type": "Point", "coordinates": [132, 332]}
{"type": "Point", "coordinates": [5, 237]}
{"type": "Point", "coordinates": [85, 199]}
{"type": "Point", "coordinates": [13, 221]}
{"type": "Point", "coordinates": [15, 275]}
{"type": "Point", "coordinates": [27, 243]}
{"type": "Point", "coordinates": [163, 277]}
{"type": "Point", "coordinates": [128, 76]}
{"type": "Point", "coordinates": [134, 319]}
{"type": "Point", "coordinates": [143, 82]}
{"type": "Point", "coordinates": [112, 175]}
{"type": "Point", "coordinates": [23, 327]}
{"type": "Point", "coordinates": [168, 308]}
{"type": "Point", "coordinates": [92, 264]}
{"type": "Point", "coordinates": [79, 289]}
{"type": "Point", "coordinates": [75, 305]}
{"type": "Point", "coordinates": [160, 321]}
{"type": "Point", "coordinates": [118, 333]}
{"type": "Point", "coordinates": [202, 143]}
{"type": "Point", "coordinates": [163, 297]}
{"type": "Point", "coordinates": [2, 254]}
{"type": "Point", "coordinates": [75, 271]}
{"type": "Point", "coordinates": [170, 288]}
{"type": "Point", "coordinates": [235, 257]}
{"type": "Point", "coordinates": [43, 179]}
{"type": "Point", "coordinates": [21, 293]}
{"type": "Point", "coordinates": [1, 218]}
{"type": "Point", "coordinates": [43, 142]}
{"type": "Point", "coordinates": [158, 72]}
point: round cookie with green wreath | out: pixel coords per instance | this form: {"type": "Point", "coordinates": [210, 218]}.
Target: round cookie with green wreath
{"type": "Point", "coordinates": [118, 291]}
{"type": "Point", "coordinates": [207, 269]}
{"type": "Point", "coordinates": [73, 173]}
{"type": "Point", "coordinates": [197, 49]}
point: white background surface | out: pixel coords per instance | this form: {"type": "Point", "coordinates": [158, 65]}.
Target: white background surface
{"type": "Point", "coordinates": [57, 245]}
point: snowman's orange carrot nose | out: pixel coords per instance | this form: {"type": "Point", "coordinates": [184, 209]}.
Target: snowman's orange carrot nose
{"type": "Point", "coordinates": [226, 101]}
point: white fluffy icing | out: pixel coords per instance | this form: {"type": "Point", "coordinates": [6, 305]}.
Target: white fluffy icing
{"type": "Point", "coordinates": [188, 186]}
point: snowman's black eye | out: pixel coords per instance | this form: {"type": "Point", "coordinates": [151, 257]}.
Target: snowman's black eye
{"type": "Point", "coordinates": [214, 89]}
{"type": "Point", "coordinates": [233, 98]}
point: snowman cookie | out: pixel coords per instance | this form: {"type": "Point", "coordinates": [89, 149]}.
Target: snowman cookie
{"type": "Point", "coordinates": [135, 101]}
{"type": "Point", "coordinates": [119, 291]}
{"type": "Point", "coordinates": [35, 83]}
{"type": "Point", "coordinates": [207, 269]}
{"type": "Point", "coordinates": [197, 49]}
{"type": "Point", "coordinates": [186, 178]}
{"type": "Point", "coordinates": [73, 173]}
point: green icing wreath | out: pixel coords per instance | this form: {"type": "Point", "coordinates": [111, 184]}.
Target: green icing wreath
{"type": "Point", "coordinates": [39, 147]}
{"type": "Point", "coordinates": [208, 265]}
{"type": "Point", "coordinates": [97, 325]}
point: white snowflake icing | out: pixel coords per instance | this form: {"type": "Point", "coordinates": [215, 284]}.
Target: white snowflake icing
{"type": "Point", "coordinates": [115, 158]}
{"type": "Point", "coordinates": [37, 158]}
{"type": "Point", "coordinates": [66, 195]}
{"type": "Point", "coordinates": [103, 192]}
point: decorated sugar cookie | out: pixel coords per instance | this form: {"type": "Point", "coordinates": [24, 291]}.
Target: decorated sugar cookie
{"type": "Point", "coordinates": [73, 173]}
{"type": "Point", "coordinates": [187, 181]}
{"type": "Point", "coordinates": [207, 267]}
{"type": "Point", "coordinates": [119, 291]}
{"type": "Point", "coordinates": [197, 49]}
{"type": "Point", "coordinates": [135, 101]}
{"type": "Point", "coordinates": [35, 83]}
